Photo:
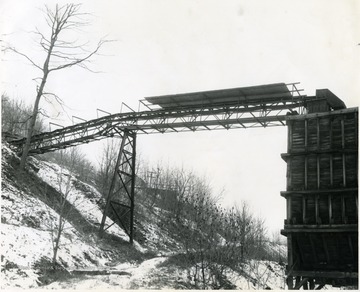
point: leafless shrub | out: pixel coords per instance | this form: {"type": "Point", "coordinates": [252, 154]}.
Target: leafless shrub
{"type": "Point", "coordinates": [15, 117]}
{"type": "Point", "coordinates": [75, 160]}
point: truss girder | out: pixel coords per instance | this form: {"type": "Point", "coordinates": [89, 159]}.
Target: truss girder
{"type": "Point", "coordinates": [165, 121]}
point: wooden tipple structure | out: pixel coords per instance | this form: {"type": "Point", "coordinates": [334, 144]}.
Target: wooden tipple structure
{"type": "Point", "coordinates": [322, 194]}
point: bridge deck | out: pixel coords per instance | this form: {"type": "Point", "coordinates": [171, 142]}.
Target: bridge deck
{"type": "Point", "coordinates": [259, 106]}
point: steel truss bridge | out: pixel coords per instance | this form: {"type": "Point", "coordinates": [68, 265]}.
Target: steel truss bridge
{"type": "Point", "coordinates": [246, 107]}
{"type": "Point", "coordinates": [257, 106]}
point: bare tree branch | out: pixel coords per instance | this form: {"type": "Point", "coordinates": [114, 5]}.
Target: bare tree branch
{"type": "Point", "coordinates": [81, 60]}
{"type": "Point", "coordinates": [59, 101]}
{"type": "Point", "coordinates": [24, 55]}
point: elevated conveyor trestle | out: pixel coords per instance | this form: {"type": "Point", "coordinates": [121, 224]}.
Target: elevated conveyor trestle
{"type": "Point", "coordinates": [259, 106]}
{"type": "Point", "coordinates": [256, 106]}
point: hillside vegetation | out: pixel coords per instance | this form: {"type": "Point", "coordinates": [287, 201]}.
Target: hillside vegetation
{"type": "Point", "coordinates": [51, 213]}
{"type": "Point", "coordinates": [183, 239]}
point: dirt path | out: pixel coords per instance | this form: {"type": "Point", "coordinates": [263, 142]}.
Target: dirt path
{"type": "Point", "coordinates": [123, 276]}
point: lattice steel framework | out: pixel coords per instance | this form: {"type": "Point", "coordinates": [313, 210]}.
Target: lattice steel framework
{"type": "Point", "coordinates": [120, 198]}
{"type": "Point", "coordinates": [262, 112]}
{"type": "Point", "coordinates": [259, 106]}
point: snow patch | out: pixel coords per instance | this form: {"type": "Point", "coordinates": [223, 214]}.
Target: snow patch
{"type": "Point", "coordinates": [61, 179]}
{"type": "Point", "coordinates": [29, 225]}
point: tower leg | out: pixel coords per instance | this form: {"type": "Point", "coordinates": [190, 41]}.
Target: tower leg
{"type": "Point", "coordinates": [132, 192]}
{"type": "Point", "coordinates": [290, 282]}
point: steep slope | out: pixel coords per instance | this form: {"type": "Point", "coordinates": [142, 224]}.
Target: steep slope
{"type": "Point", "coordinates": [29, 216]}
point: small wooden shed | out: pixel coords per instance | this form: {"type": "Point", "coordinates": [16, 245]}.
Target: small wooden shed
{"type": "Point", "coordinates": [322, 194]}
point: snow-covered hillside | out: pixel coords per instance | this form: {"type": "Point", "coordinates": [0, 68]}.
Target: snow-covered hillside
{"type": "Point", "coordinates": [27, 235]}
{"type": "Point", "coordinates": [28, 225]}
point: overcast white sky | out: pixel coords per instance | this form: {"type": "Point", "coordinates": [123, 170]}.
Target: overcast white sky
{"type": "Point", "coordinates": [168, 47]}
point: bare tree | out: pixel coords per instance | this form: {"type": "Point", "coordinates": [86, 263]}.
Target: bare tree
{"type": "Point", "coordinates": [65, 189]}
{"type": "Point", "coordinates": [60, 54]}
{"type": "Point", "coordinates": [15, 117]}
{"type": "Point", "coordinates": [213, 241]}
{"type": "Point", "coordinates": [106, 167]}
{"type": "Point", "coordinates": [67, 202]}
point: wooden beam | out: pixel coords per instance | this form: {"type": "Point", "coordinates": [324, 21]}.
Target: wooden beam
{"type": "Point", "coordinates": [344, 170]}
{"type": "Point", "coordinates": [318, 134]}
{"type": "Point", "coordinates": [320, 192]}
{"type": "Point", "coordinates": [331, 137]}
{"type": "Point", "coordinates": [306, 134]}
{"type": "Point", "coordinates": [311, 284]}
{"type": "Point", "coordinates": [356, 129]}
{"type": "Point", "coordinates": [299, 255]}
{"type": "Point", "coordinates": [290, 282]}
{"type": "Point", "coordinates": [289, 174]}
{"type": "Point", "coordinates": [323, 114]}
{"type": "Point", "coordinates": [356, 202]}
{"type": "Point", "coordinates": [285, 156]}
{"type": "Point", "coordinates": [325, 248]}
{"type": "Point", "coordinates": [313, 248]}
{"type": "Point", "coordinates": [331, 171]}
{"type": "Point", "coordinates": [327, 274]}
{"type": "Point", "coordinates": [290, 249]}
{"type": "Point", "coordinates": [330, 209]}
{"type": "Point", "coordinates": [306, 173]}
{"type": "Point", "coordinates": [342, 134]}
{"type": "Point", "coordinates": [300, 283]}
{"type": "Point", "coordinates": [351, 248]}
{"type": "Point", "coordinates": [288, 209]}
{"type": "Point", "coordinates": [320, 287]}
{"type": "Point", "coordinates": [292, 267]}
{"type": "Point", "coordinates": [290, 135]}
{"type": "Point", "coordinates": [303, 210]}
{"type": "Point", "coordinates": [317, 217]}
{"type": "Point", "coordinates": [343, 211]}
{"type": "Point", "coordinates": [318, 171]}
{"type": "Point", "coordinates": [320, 228]}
